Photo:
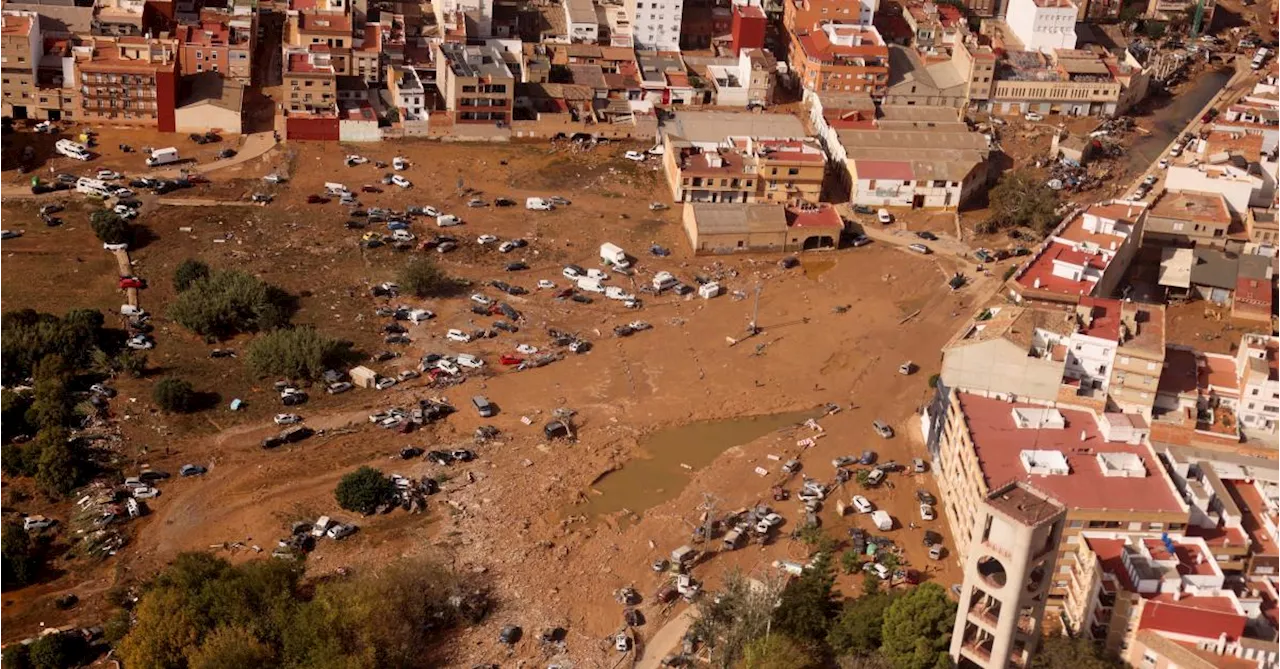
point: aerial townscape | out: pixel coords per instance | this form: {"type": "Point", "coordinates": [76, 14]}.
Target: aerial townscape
{"type": "Point", "coordinates": [737, 334]}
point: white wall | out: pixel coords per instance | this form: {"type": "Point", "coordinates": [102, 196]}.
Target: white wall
{"type": "Point", "coordinates": [655, 24]}
{"type": "Point", "coordinates": [1043, 28]}
{"type": "Point", "coordinates": [1236, 191]}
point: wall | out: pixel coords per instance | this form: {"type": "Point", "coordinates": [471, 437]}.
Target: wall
{"type": "Point", "coordinates": [204, 117]}
{"type": "Point", "coordinates": [359, 131]}
{"type": "Point", "coordinates": [322, 129]}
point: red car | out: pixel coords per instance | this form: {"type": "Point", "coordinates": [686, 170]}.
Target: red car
{"type": "Point", "coordinates": [317, 199]}
{"type": "Point", "coordinates": [132, 282]}
{"type": "Point", "coordinates": [511, 360]}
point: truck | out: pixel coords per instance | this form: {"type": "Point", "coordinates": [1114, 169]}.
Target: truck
{"type": "Point", "coordinates": [165, 156]}
{"type": "Point", "coordinates": [611, 254]}
{"type": "Point", "coordinates": [76, 150]}
{"type": "Point", "coordinates": [1259, 58]}
{"type": "Point", "coordinates": [882, 519]}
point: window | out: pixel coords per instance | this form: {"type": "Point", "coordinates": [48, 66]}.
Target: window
{"type": "Point", "coordinates": [1149, 659]}
{"type": "Point", "coordinates": [793, 171]}
{"type": "Point", "coordinates": [199, 54]}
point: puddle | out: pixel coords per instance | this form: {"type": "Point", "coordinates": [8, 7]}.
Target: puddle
{"type": "Point", "coordinates": [657, 476]}
{"type": "Point", "coordinates": [816, 268]}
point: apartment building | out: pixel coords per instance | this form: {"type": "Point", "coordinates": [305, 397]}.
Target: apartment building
{"type": "Point", "coordinates": [1043, 25]}
{"type": "Point", "coordinates": [1256, 368]}
{"type": "Point", "coordinates": [841, 57]}
{"type": "Point", "coordinates": [581, 21]}
{"type": "Point", "coordinates": [1009, 351]}
{"type": "Point", "coordinates": [1188, 218]}
{"type": "Point", "coordinates": [934, 26]}
{"type": "Point", "coordinates": [408, 92]}
{"type": "Point", "coordinates": [311, 82]}
{"type": "Point", "coordinates": [805, 15]}
{"type": "Point", "coordinates": [1098, 465]}
{"type": "Point", "coordinates": [20, 44]}
{"type": "Point", "coordinates": [1139, 361]}
{"type": "Point", "coordinates": [746, 170]}
{"type": "Point", "coordinates": [219, 43]}
{"type": "Point", "coordinates": [1199, 10]}
{"type": "Point", "coordinates": [127, 81]}
{"type": "Point", "coordinates": [655, 24]}
{"type": "Point", "coordinates": [1240, 184]}
{"type": "Point", "coordinates": [1085, 256]}
{"type": "Point", "coordinates": [475, 82]}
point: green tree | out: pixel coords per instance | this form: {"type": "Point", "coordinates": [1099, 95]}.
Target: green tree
{"type": "Point", "coordinates": [739, 613]}
{"type": "Point", "coordinates": [295, 353]}
{"type": "Point", "coordinates": [808, 603]}
{"type": "Point", "coordinates": [857, 630]}
{"type": "Point", "coordinates": [421, 277]}
{"type": "Point", "coordinates": [227, 302]}
{"type": "Point", "coordinates": [232, 648]}
{"type": "Point", "coordinates": [110, 227]}
{"type": "Point", "coordinates": [870, 583]}
{"type": "Point", "coordinates": [890, 561]}
{"type": "Point", "coordinates": [174, 395]}
{"type": "Point", "coordinates": [50, 401]}
{"type": "Point", "coordinates": [17, 556]}
{"type": "Point", "coordinates": [1060, 652]}
{"type": "Point", "coordinates": [188, 272]}
{"type": "Point", "coordinates": [850, 561]}
{"type": "Point", "coordinates": [57, 651]}
{"type": "Point", "coordinates": [917, 629]}
{"type": "Point", "coordinates": [1022, 199]}
{"type": "Point", "coordinates": [28, 337]}
{"type": "Point", "coordinates": [775, 651]}
{"type": "Point", "coordinates": [16, 656]}
{"type": "Point", "coordinates": [364, 490]}
{"type": "Point", "coordinates": [13, 414]}
{"type": "Point", "coordinates": [133, 363]}
{"type": "Point", "coordinates": [58, 472]}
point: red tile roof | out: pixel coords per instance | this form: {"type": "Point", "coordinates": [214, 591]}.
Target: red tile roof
{"type": "Point", "coordinates": [1041, 267]}
{"type": "Point", "coordinates": [1252, 505]}
{"type": "Point", "coordinates": [1106, 318]}
{"type": "Point", "coordinates": [822, 216]}
{"type": "Point", "coordinates": [1255, 293]}
{"type": "Point", "coordinates": [998, 444]}
{"type": "Point", "coordinates": [1181, 618]}
{"type": "Point", "coordinates": [885, 169]}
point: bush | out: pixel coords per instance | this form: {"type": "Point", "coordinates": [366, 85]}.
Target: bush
{"type": "Point", "coordinates": [110, 227]}
{"type": "Point", "coordinates": [296, 353]}
{"type": "Point", "coordinates": [188, 272]}
{"type": "Point", "coordinates": [13, 414]}
{"type": "Point", "coordinates": [17, 556]}
{"type": "Point", "coordinates": [57, 470]}
{"type": "Point", "coordinates": [174, 395]}
{"type": "Point", "coordinates": [230, 301]}
{"type": "Point", "coordinates": [422, 278]}
{"type": "Point", "coordinates": [50, 400]}
{"type": "Point", "coordinates": [917, 628]}
{"type": "Point", "coordinates": [27, 337]}
{"type": "Point", "coordinates": [364, 490]}
{"type": "Point", "coordinates": [934, 380]}
{"type": "Point", "coordinates": [57, 651]}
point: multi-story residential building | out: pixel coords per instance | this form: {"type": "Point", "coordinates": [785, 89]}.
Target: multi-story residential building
{"type": "Point", "coordinates": [745, 170]}
{"type": "Point", "coordinates": [748, 28]}
{"type": "Point", "coordinates": [1241, 185]}
{"type": "Point", "coordinates": [1009, 351]}
{"type": "Point", "coordinates": [1139, 361]}
{"type": "Point", "coordinates": [219, 43]}
{"type": "Point", "coordinates": [408, 92]}
{"type": "Point", "coordinates": [311, 82]}
{"type": "Point", "coordinates": [1085, 256]}
{"type": "Point", "coordinates": [841, 57]}
{"type": "Point", "coordinates": [1256, 367]}
{"type": "Point", "coordinates": [1188, 218]}
{"type": "Point", "coordinates": [121, 17]}
{"type": "Point", "coordinates": [475, 82]}
{"type": "Point", "coordinates": [368, 54]}
{"type": "Point", "coordinates": [805, 15]}
{"type": "Point", "coordinates": [1002, 597]}
{"type": "Point", "coordinates": [127, 81]}
{"type": "Point", "coordinates": [581, 21]}
{"type": "Point", "coordinates": [20, 44]}
{"type": "Point", "coordinates": [1098, 465]}
{"type": "Point", "coordinates": [1043, 25]}
{"type": "Point", "coordinates": [934, 26]}
{"type": "Point", "coordinates": [655, 24]}
{"type": "Point", "coordinates": [1263, 229]}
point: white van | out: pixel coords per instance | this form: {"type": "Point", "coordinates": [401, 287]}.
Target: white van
{"type": "Point", "coordinates": [72, 149]}
{"type": "Point", "coordinates": [537, 204]}
{"type": "Point", "coordinates": [335, 188]}
{"type": "Point", "coordinates": [709, 290]}
{"type": "Point", "coordinates": [163, 157]}
{"type": "Point", "coordinates": [590, 285]}
{"type": "Point", "coordinates": [612, 254]}
{"type": "Point", "coordinates": [319, 528]}
{"type": "Point", "coordinates": [882, 519]}
{"type": "Point", "coordinates": [663, 281]}
{"type": "Point", "coordinates": [92, 187]}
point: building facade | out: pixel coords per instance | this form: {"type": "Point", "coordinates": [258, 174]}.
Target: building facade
{"type": "Point", "coordinates": [1188, 218]}
{"type": "Point", "coordinates": [128, 81]}
{"type": "Point", "coordinates": [655, 24]}
{"type": "Point", "coordinates": [841, 58]}
{"type": "Point", "coordinates": [1043, 25]}
{"type": "Point", "coordinates": [475, 82]}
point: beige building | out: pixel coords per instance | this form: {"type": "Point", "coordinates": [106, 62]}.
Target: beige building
{"type": "Point", "coordinates": [745, 170]}
{"type": "Point", "coordinates": [475, 82]}
{"type": "Point", "coordinates": [210, 103]}
{"type": "Point", "coordinates": [127, 80]}
{"type": "Point", "coordinates": [1188, 218]}
{"type": "Point", "coordinates": [738, 228]}
{"type": "Point", "coordinates": [1073, 82]}
{"type": "Point", "coordinates": [311, 83]}
{"type": "Point", "coordinates": [20, 42]}
{"type": "Point", "coordinates": [1006, 352]}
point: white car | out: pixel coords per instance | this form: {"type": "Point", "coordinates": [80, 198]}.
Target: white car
{"type": "Point", "coordinates": [448, 220]}
{"type": "Point", "coordinates": [507, 247]}
{"type": "Point", "coordinates": [140, 343]}
{"type": "Point", "coordinates": [115, 247]}
{"type": "Point", "coordinates": [538, 204]}
{"type": "Point", "coordinates": [273, 179]}
{"type": "Point", "coordinates": [287, 418]}
{"type": "Point", "coordinates": [596, 274]}
{"type": "Point", "coordinates": [926, 512]}
{"type": "Point", "coordinates": [145, 492]}
{"type": "Point", "coordinates": [399, 164]}
{"type": "Point", "coordinates": [354, 159]}
{"type": "Point", "coordinates": [469, 361]}
{"type": "Point", "coordinates": [108, 175]}
{"type": "Point", "coordinates": [636, 156]}
{"type": "Point", "coordinates": [406, 374]}
{"type": "Point", "coordinates": [384, 382]}
{"type": "Point", "coordinates": [1033, 116]}
{"type": "Point", "coordinates": [616, 293]}
{"type": "Point", "coordinates": [35, 523]}
{"type": "Point", "coordinates": [486, 239]}
{"type": "Point", "coordinates": [402, 236]}
{"type": "Point", "coordinates": [448, 366]}
{"type": "Point", "coordinates": [526, 349]}
{"type": "Point", "coordinates": [481, 300]}
{"type": "Point", "coordinates": [125, 211]}
{"type": "Point", "coordinates": [1164, 163]}
{"type": "Point", "coordinates": [431, 211]}
{"type": "Point", "coordinates": [572, 272]}
{"type": "Point", "coordinates": [546, 284]}
{"type": "Point", "coordinates": [401, 181]}
{"type": "Point", "coordinates": [862, 504]}
{"type": "Point", "coordinates": [879, 570]}
{"type": "Point", "coordinates": [457, 335]}
{"type": "Point", "coordinates": [419, 315]}
{"type": "Point", "coordinates": [884, 216]}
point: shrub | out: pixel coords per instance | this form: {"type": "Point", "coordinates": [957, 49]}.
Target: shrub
{"type": "Point", "coordinates": [296, 353]}
{"type": "Point", "coordinates": [934, 380]}
{"type": "Point", "coordinates": [27, 337]}
{"type": "Point", "coordinates": [422, 278]}
{"type": "Point", "coordinates": [57, 470]}
{"type": "Point", "coordinates": [174, 395]}
{"type": "Point", "coordinates": [227, 302]}
{"type": "Point", "coordinates": [17, 556]}
{"type": "Point", "coordinates": [188, 272]}
{"type": "Point", "coordinates": [110, 227]}
{"type": "Point", "coordinates": [364, 490]}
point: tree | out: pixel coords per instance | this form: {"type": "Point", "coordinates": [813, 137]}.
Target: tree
{"type": "Point", "coordinates": [917, 629]}
{"type": "Point", "coordinates": [775, 651]}
{"type": "Point", "coordinates": [188, 272]}
{"type": "Point", "coordinates": [13, 414]}
{"type": "Point", "coordinates": [58, 472]}
{"type": "Point", "coordinates": [110, 227]}
{"type": "Point", "coordinates": [133, 363]}
{"type": "Point", "coordinates": [57, 651]}
{"type": "Point", "coordinates": [870, 583]}
{"type": "Point", "coordinates": [232, 648]}
{"type": "Point", "coordinates": [364, 490]}
{"type": "Point", "coordinates": [1060, 652]}
{"type": "Point", "coordinates": [850, 561]}
{"type": "Point", "coordinates": [227, 302]}
{"type": "Point", "coordinates": [1022, 199]}
{"type": "Point", "coordinates": [28, 337]}
{"type": "Point", "coordinates": [295, 353]}
{"type": "Point", "coordinates": [174, 395]}
{"type": "Point", "coordinates": [50, 401]}
{"type": "Point", "coordinates": [17, 556]}
{"type": "Point", "coordinates": [807, 603]}
{"type": "Point", "coordinates": [16, 656]}
{"type": "Point", "coordinates": [741, 613]}
{"type": "Point", "coordinates": [890, 561]}
{"type": "Point", "coordinates": [422, 278]}
{"type": "Point", "coordinates": [857, 630]}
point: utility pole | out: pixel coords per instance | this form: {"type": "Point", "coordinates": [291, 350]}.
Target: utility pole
{"type": "Point", "coordinates": [754, 326]}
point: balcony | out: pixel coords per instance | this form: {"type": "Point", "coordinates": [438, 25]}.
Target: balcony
{"type": "Point", "coordinates": [986, 611]}
{"type": "Point", "coordinates": [979, 649]}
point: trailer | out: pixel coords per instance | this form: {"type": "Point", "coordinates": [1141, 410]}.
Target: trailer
{"type": "Point", "coordinates": [72, 149]}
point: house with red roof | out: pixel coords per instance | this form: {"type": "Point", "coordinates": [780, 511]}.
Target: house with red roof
{"type": "Point", "coordinates": [1086, 255]}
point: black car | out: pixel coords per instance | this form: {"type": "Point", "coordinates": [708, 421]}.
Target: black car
{"type": "Point", "coordinates": [932, 538]}
{"type": "Point", "coordinates": [500, 285]}
{"type": "Point", "coordinates": [506, 327]}
{"type": "Point", "coordinates": [395, 328]}
{"type": "Point", "coordinates": [410, 452]}
{"type": "Point", "coordinates": [69, 179]}
{"type": "Point", "coordinates": [581, 299]}
{"type": "Point", "coordinates": [927, 235]}
{"type": "Point", "coordinates": [517, 266]}
{"type": "Point", "coordinates": [439, 458]}
{"type": "Point", "coordinates": [294, 399]}
{"type": "Point", "coordinates": [50, 209]}
{"type": "Point", "coordinates": [925, 497]}
{"type": "Point", "coordinates": [504, 202]}
{"type": "Point", "coordinates": [858, 537]}
{"type": "Point", "coordinates": [273, 441]}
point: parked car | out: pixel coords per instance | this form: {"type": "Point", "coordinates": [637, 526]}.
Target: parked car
{"type": "Point", "coordinates": [926, 512]}
{"type": "Point", "coordinates": [287, 418]}
{"type": "Point", "coordinates": [401, 181]}
{"type": "Point", "coordinates": [920, 248]}
{"type": "Point", "coordinates": [882, 429]}
{"type": "Point", "coordinates": [1034, 117]}
{"type": "Point", "coordinates": [339, 387]}
{"type": "Point", "coordinates": [458, 336]}
{"type": "Point", "coordinates": [884, 216]}
{"type": "Point", "coordinates": [448, 220]}
{"type": "Point", "coordinates": [637, 156]}
{"type": "Point", "coordinates": [862, 504]}
{"type": "Point", "coordinates": [191, 470]}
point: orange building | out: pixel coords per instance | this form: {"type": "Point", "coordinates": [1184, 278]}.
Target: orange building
{"type": "Point", "coordinates": [219, 43]}
{"type": "Point", "coordinates": [128, 80]}
{"type": "Point", "coordinates": [841, 58]}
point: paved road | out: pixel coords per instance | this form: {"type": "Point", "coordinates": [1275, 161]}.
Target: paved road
{"type": "Point", "coordinates": [666, 641]}
{"type": "Point", "coordinates": [254, 146]}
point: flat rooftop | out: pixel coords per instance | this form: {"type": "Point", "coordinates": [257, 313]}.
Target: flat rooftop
{"type": "Point", "coordinates": [706, 127]}
{"type": "Point", "coordinates": [1253, 512]}
{"type": "Point", "coordinates": [999, 444]}
{"type": "Point", "coordinates": [1024, 504]}
{"type": "Point", "coordinates": [1039, 275]}
{"type": "Point", "coordinates": [475, 61]}
{"type": "Point", "coordinates": [1192, 206]}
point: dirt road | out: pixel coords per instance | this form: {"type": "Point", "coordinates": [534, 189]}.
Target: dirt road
{"type": "Point", "coordinates": [667, 640]}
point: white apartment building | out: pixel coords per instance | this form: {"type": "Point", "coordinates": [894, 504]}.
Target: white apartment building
{"type": "Point", "coordinates": [1241, 187]}
{"type": "Point", "coordinates": [1043, 25]}
{"type": "Point", "coordinates": [1256, 367]}
{"type": "Point", "coordinates": [655, 24]}
{"type": "Point", "coordinates": [410, 94]}
{"type": "Point", "coordinates": [581, 22]}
